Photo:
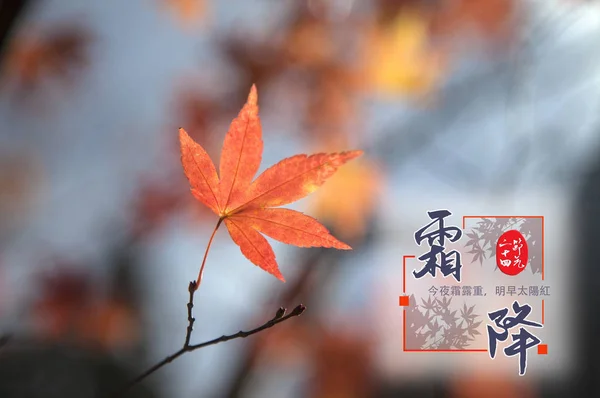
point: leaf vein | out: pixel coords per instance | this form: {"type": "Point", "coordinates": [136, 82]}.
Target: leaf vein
{"type": "Point", "coordinates": [206, 180]}
{"type": "Point", "coordinates": [286, 226]}
{"type": "Point", "coordinates": [248, 239]}
{"type": "Point", "coordinates": [278, 186]}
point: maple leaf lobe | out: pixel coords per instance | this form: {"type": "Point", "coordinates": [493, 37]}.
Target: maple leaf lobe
{"type": "Point", "coordinates": [200, 171]}
{"type": "Point", "coordinates": [290, 227]}
{"type": "Point", "coordinates": [254, 247]}
{"type": "Point", "coordinates": [241, 154]}
{"type": "Point", "coordinates": [294, 178]}
{"type": "Point", "coordinates": [253, 96]}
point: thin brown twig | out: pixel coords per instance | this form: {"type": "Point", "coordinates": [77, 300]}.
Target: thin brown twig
{"type": "Point", "coordinates": [280, 316]}
{"type": "Point", "coordinates": [190, 306]}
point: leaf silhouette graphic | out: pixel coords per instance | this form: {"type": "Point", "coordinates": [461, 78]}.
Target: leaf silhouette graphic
{"type": "Point", "coordinates": [490, 237]}
{"type": "Point", "coordinates": [476, 249]}
{"type": "Point", "coordinates": [429, 304]}
{"type": "Point", "coordinates": [415, 323]}
{"type": "Point", "coordinates": [479, 254]}
{"type": "Point", "coordinates": [473, 238]}
{"type": "Point", "coordinates": [467, 313]}
{"type": "Point", "coordinates": [490, 231]}
{"type": "Point", "coordinates": [445, 302]}
{"type": "Point", "coordinates": [532, 229]}
{"type": "Point", "coordinates": [246, 206]}
{"type": "Point", "coordinates": [472, 328]}
{"type": "Point", "coordinates": [440, 327]}
{"type": "Point", "coordinates": [450, 318]}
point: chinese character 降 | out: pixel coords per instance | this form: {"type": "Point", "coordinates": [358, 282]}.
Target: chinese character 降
{"type": "Point", "coordinates": [522, 341]}
{"type": "Point", "coordinates": [449, 263]}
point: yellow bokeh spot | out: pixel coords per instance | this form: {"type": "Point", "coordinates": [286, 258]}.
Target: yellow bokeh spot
{"type": "Point", "coordinates": [398, 60]}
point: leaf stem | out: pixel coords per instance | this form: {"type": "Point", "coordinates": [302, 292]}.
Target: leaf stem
{"type": "Point", "coordinates": [201, 273]}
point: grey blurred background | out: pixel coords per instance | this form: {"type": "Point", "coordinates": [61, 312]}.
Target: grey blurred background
{"type": "Point", "coordinates": [476, 106]}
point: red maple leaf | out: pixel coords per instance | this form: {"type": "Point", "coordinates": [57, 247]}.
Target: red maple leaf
{"type": "Point", "coordinates": [246, 205]}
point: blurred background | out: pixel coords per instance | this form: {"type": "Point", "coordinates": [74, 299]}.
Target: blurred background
{"type": "Point", "coordinates": [477, 106]}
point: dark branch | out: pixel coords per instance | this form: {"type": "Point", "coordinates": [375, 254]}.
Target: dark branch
{"type": "Point", "coordinates": [190, 305]}
{"type": "Point", "coordinates": [280, 316]}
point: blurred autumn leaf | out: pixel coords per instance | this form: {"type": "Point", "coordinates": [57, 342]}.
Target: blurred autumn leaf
{"type": "Point", "coordinates": [339, 358]}
{"type": "Point", "coordinates": [69, 311]}
{"type": "Point", "coordinates": [293, 341]}
{"type": "Point", "coordinates": [190, 13]}
{"type": "Point", "coordinates": [342, 365]}
{"type": "Point", "coordinates": [21, 176]}
{"type": "Point", "coordinates": [478, 384]}
{"type": "Point", "coordinates": [257, 62]}
{"type": "Point", "coordinates": [153, 205]}
{"type": "Point", "coordinates": [64, 298]}
{"type": "Point", "coordinates": [157, 201]}
{"type": "Point", "coordinates": [309, 40]}
{"type": "Point", "coordinates": [491, 18]}
{"type": "Point", "coordinates": [398, 58]}
{"type": "Point", "coordinates": [386, 11]}
{"type": "Point", "coordinates": [196, 114]}
{"type": "Point", "coordinates": [348, 200]}
{"type": "Point", "coordinates": [110, 325]}
{"type": "Point", "coordinates": [305, 46]}
{"type": "Point", "coordinates": [36, 56]}
{"type": "Point", "coordinates": [331, 106]}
